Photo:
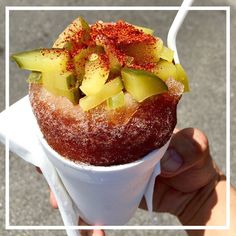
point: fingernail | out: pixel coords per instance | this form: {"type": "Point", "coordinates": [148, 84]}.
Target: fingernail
{"type": "Point", "coordinates": [171, 161]}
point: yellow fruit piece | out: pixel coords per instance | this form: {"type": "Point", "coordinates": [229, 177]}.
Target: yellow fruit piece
{"type": "Point", "coordinates": [109, 50]}
{"type": "Point", "coordinates": [42, 60]}
{"type": "Point", "coordinates": [61, 85]}
{"type": "Point", "coordinates": [116, 101]}
{"type": "Point", "coordinates": [55, 80]}
{"type": "Point", "coordinates": [182, 77]}
{"type": "Point", "coordinates": [167, 54]}
{"type": "Point", "coordinates": [79, 61]}
{"type": "Point", "coordinates": [71, 94]}
{"type": "Point", "coordinates": [144, 53]}
{"type": "Point", "coordinates": [158, 46]}
{"type": "Point", "coordinates": [142, 84]}
{"type": "Point", "coordinates": [64, 81]}
{"type": "Point", "coordinates": [164, 70]}
{"type": "Point", "coordinates": [114, 63]}
{"type": "Point", "coordinates": [69, 34]}
{"type": "Point", "coordinates": [96, 75]}
{"type": "Point", "coordinates": [108, 90]}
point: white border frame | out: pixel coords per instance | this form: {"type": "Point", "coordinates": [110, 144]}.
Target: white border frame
{"type": "Point", "coordinates": [117, 8]}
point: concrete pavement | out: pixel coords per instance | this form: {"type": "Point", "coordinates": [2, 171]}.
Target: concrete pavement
{"type": "Point", "coordinates": [201, 47]}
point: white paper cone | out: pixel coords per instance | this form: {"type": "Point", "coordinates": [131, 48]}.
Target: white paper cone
{"type": "Point", "coordinates": [104, 195]}
{"type": "Point", "coordinates": [108, 195]}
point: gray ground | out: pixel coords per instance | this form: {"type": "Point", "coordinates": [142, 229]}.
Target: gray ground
{"type": "Point", "coordinates": [201, 46]}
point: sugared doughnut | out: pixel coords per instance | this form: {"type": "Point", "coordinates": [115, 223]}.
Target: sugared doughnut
{"type": "Point", "coordinates": [100, 136]}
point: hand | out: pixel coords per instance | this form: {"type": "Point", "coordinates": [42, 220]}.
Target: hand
{"type": "Point", "coordinates": [186, 168]}
{"type": "Point", "coordinates": [191, 186]}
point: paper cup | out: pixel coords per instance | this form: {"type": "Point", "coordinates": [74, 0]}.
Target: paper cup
{"type": "Point", "coordinates": [105, 195]}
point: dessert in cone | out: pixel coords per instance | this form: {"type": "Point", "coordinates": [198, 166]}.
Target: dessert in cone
{"type": "Point", "coordinates": [104, 94]}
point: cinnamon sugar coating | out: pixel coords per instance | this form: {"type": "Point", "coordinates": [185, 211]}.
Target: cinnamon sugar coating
{"type": "Point", "coordinates": [100, 136]}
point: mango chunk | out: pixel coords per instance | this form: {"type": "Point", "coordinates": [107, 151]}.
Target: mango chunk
{"type": "Point", "coordinates": [55, 80]}
{"type": "Point", "coordinates": [144, 53]}
{"type": "Point", "coordinates": [114, 62]}
{"type": "Point", "coordinates": [158, 46]}
{"type": "Point", "coordinates": [61, 85]}
{"type": "Point", "coordinates": [72, 94]}
{"type": "Point", "coordinates": [64, 81]}
{"type": "Point", "coordinates": [42, 60]}
{"type": "Point", "coordinates": [167, 54]}
{"type": "Point", "coordinates": [108, 90]}
{"type": "Point", "coordinates": [164, 70]}
{"type": "Point", "coordinates": [142, 84]}
{"type": "Point", "coordinates": [70, 33]}
{"type": "Point", "coordinates": [96, 75]}
{"type": "Point", "coordinates": [116, 101]}
{"type": "Point", "coordinates": [109, 49]}
{"type": "Point", "coordinates": [79, 61]}
{"type": "Point", "coordinates": [182, 77]}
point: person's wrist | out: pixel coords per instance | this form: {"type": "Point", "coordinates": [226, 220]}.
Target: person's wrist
{"type": "Point", "coordinates": [198, 210]}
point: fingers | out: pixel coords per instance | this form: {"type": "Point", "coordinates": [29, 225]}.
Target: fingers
{"type": "Point", "coordinates": [98, 233]}
{"type": "Point", "coordinates": [53, 203]}
{"type": "Point", "coordinates": [95, 232]}
{"type": "Point", "coordinates": [187, 165]}
{"type": "Point", "coordinates": [38, 170]}
{"type": "Point", "coordinates": [53, 200]}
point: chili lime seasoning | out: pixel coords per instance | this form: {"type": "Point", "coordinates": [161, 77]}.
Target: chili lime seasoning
{"type": "Point", "coordinates": [117, 38]}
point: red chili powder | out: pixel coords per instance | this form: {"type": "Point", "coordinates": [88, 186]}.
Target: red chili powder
{"type": "Point", "coordinates": [143, 66]}
{"type": "Point", "coordinates": [115, 37]}
{"type": "Point", "coordinates": [104, 60]}
{"type": "Point", "coordinates": [120, 33]}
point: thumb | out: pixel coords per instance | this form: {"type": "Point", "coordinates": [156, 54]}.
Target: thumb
{"type": "Point", "coordinates": [188, 148]}
{"type": "Point", "coordinates": [171, 161]}
{"type": "Point", "coordinates": [187, 165]}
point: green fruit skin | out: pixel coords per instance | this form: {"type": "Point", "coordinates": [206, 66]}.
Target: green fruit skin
{"type": "Point", "coordinates": [142, 84]}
